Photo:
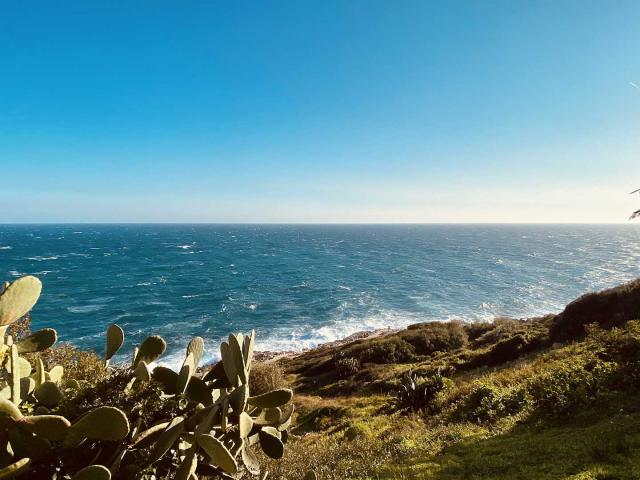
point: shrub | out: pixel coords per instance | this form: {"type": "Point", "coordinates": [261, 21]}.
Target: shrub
{"type": "Point", "coordinates": [421, 394]}
{"type": "Point", "coordinates": [622, 346]}
{"type": "Point", "coordinates": [266, 376]}
{"type": "Point", "coordinates": [487, 402]}
{"type": "Point", "coordinates": [500, 329]}
{"type": "Point", "coordinates": [346, 366]}
{"type": "Point", "coordinates": [81, 365]}
{"type": "Point", "coordinates": [507, 349]}
{"type": "Point", "coordinates": [428, 338]}
{"type": "Point", "coordinates": [475, 330]}
{"type": "Point", "coordinates": [608, 308]}
{"type": "Point", "coordinates": [572, 383]}
{"type": "Point", "coordinates": [529, 337]}
{"type": "Point", "coordinates": [384, 350]}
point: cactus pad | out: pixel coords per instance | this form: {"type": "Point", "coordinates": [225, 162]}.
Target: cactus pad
{"type": "Point", "coordinates": [218, 452]}
{"type": "Point", "coordinates": [149, 350]}
{"type": "Point", "coordinates": [270, 442]}
{"type": "Point", "coordinates": [48, 394]}
{"type": "Point", "coordinates": [8, 409]}
{"type": "Point", "coordinates": [93, 472]}
{"type": "Point", "coordinates": [37, 341]}
{"type": "Point", "coordinates": [115, 339]}
{"type": "Point", "coordinates": [274, 398]}
{"type": "Point", "coordinates": [51, 427]}
{"type": "Point", "coordinates": [196, 347]}
{"type": "Point", "coordinates": [19, 298]}
{"type": "Point", "coordinates": [101, 423]}
{"type": "Point", "coordinates": [166, 439]}
{"type": "Point", "coordinates": [15, 469]}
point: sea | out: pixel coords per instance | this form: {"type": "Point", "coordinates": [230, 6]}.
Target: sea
{"type": "Point", "coordinates": [302, 285]}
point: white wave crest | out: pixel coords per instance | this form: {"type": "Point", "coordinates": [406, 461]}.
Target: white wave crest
{"type": "Point", "coordinates": [85, 308]}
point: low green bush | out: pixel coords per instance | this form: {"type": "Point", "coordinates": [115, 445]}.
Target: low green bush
{"type": "Point", "coordinates": [485, 334]}
{"type": "Point", "coordinates": [529, 337]}
{"type": "Point", "coordinates": [622, 346]}
{"type": "Point", "coordinates": [428, 338]}
{"type": "Point", "coordinates": [487, 402]}
{"type": "Point", "coordinates": [475, 330]}
{"type": "Point", "coordinates": [570, 384]}
{"type": "Point", "coordinates": [384, 350]}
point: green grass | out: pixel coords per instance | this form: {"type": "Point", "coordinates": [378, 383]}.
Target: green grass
{"type": "Point", "coordinates": [605, 449]}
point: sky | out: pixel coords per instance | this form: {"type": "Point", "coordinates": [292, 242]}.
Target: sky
{"type": "Point", "coordinates": [319, 111]}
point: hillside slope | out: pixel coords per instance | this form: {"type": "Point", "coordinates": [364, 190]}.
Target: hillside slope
{"type": "Point", "coordinates": [556, 397]}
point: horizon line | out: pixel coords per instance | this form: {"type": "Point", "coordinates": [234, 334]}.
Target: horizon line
{"type": "Point", "coordinates": [627, 222]}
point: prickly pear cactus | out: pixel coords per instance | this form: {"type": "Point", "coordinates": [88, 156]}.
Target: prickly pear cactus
{"type": "Point", "coordinates": [207, 426]}
{"type": "Point", "coordinates": [222, 424]}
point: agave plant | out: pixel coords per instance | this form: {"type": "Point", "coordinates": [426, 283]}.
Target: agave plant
{"type": "Point", "coordinates": [214, 434]}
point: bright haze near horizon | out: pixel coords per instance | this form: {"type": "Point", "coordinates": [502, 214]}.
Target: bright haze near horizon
{"type": "Point", "coordinates": [319, 111]}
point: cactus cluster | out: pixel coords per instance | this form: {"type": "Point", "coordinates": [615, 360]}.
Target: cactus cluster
{"type": "Point", "coordinates": [214, 434]}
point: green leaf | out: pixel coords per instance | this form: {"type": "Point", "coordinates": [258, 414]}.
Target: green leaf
{"type": "Point", "coordinates": [245, 424]}
{"type": "Point", "coordinates": [187, 370]}
{"type": "Point", "coordinates": [198, 391]}
{"type": "Point", "coordinates": [141, 372]}
{"type": "Point", "coordinates": [149, 436]}
{"type": "Point", "coordinates": [247, 348]}
{"type": "Point", "coordinates": [55, 374]}
{"type": "Point", "coordinates": [238, 398]}
{"type": "Point", "coordinates": [229, 364]}
{"type": "Point", "coordinates": [10, 410]}
{"type": "Point", "coordinates": [235, 342]}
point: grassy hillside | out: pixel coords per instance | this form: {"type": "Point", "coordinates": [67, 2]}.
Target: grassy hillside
{"type": "Point", "coordinates": [556, 397]}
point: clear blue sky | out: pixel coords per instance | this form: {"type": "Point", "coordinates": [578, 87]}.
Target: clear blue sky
{"type": "Point", "coordinates": [319, 111]}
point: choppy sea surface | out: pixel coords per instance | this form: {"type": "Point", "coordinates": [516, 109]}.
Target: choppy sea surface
{"type": "Point", "coordinates": [299, 286]}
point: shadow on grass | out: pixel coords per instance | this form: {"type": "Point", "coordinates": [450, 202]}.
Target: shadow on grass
{"type": "Point", "coordinates": [607, 448]}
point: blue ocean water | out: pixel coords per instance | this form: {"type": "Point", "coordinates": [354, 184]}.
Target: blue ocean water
{"type": "Point", "coordinates": [303, 285]}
